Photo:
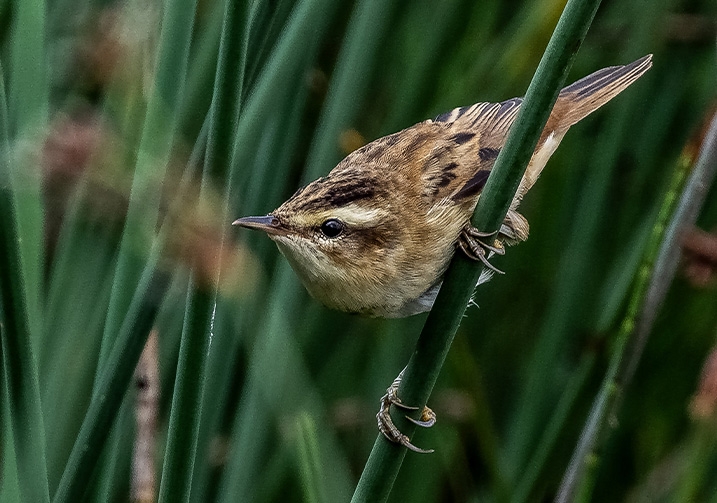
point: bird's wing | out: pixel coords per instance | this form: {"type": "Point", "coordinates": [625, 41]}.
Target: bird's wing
{"type": "Point", "coordinates": [474, 136]}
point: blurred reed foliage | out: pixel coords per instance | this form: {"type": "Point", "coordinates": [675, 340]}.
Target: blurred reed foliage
{"type": "Point", "coordinates": [131, 134]}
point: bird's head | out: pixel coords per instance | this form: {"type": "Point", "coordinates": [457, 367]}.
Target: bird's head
{"type": "Point", "coordinates": [341, 235]}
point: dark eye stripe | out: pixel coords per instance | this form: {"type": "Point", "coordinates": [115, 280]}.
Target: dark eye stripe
{"type": "Point", "coordinates": [333, 194]}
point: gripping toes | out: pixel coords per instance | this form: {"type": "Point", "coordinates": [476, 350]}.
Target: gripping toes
{"type": "Point", "coordinates": [470, 241]}
{"type": "Point", "coordinates": [389, 429]}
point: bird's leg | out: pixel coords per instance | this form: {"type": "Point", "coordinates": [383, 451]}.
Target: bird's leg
{"type": "Point", "coordinates": [471, 242]}
{"type": "Point", "coordinates": [385, 423]}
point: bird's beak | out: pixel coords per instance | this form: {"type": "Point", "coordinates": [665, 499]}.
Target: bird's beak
{"type": "Point", "coordinates": [268, 223]}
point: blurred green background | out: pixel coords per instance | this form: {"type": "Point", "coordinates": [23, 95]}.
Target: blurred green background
{"type": "Point", "coordinates": [134, 132]}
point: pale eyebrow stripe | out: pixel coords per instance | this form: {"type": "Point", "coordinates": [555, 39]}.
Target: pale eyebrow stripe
{"type": "Point", "coordinates": [357, 214]}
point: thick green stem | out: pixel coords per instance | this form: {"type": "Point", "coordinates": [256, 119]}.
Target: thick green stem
{"type": "Point", "coordinates": [462, 275]}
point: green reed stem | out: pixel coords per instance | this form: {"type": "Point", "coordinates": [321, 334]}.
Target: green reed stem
{"type": "Point", "coordinates": [312, 471]}
{"type": "Point", "coordinates": [462, 275]}
{"type": "Point", "coordinates": [184, 419]}
{"type": "Point", "coordinates": [17, 357]}
{"type": "Point", "coordinates": [653, 280]}
{"type": "Point", "coordinates": [184, 435]}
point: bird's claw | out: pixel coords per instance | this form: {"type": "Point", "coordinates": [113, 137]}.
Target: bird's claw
{"type": "Point", "coordinates": [428, 418]}
{"type": "Point", "coordinates": [389, 429]}
{"type": "Point", "coordinates": [475, 248]}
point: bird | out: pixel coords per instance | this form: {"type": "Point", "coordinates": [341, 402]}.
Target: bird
{"type": "Point", "coordinates": [376, 235]}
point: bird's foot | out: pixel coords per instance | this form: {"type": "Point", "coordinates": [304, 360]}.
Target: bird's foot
{"type": "Point", "coordinates": [389, 429]}
{"type": "Point", "coordinates": [471, 242]}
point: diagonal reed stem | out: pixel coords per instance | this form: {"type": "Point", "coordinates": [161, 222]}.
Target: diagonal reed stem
{"type": "Point", "coordinates": [434, 342]}
{"type": "Point", "coordinates": [654, 278]}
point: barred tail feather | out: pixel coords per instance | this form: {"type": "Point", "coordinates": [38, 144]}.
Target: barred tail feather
{"type": "Point", "coordinates": [574, 103]}
{"type": "Point", "coordinates": [583, 97]}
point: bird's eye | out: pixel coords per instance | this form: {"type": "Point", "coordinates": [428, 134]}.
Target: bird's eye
{"type": "Point", "coordinates": [332, 227]}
